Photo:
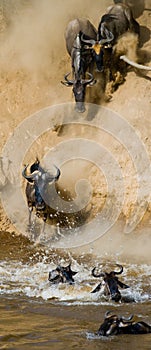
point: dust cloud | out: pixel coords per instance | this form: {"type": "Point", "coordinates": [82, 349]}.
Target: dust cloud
{"type": "Point", "coordinates": [34, 34]}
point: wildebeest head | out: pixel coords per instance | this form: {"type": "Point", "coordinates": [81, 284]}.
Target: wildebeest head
{"type": "Point", "coordinates": [37, 185]}
{"type": "Point", "coordinates": [109, 326]}
{"type": "Point", "coordinates": [79, 89]}
{"type": "Point", "coordinates": [98, 47]}
{"type": "Point", "coordinates": [111, 283]}
{"type": "Point", "coordinates": [62, 275]}
{"type": "Point", "coordinates": [114, 324]}
{"type": "Point", "coordinates": [39, 175]}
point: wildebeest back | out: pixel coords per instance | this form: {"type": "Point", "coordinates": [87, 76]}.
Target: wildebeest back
{"type": "Point", "coordinates": [74, 27]}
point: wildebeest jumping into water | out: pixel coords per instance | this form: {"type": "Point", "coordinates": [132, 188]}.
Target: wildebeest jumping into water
{"type": "Point", "coordinates": [49, 200]}
{"type": "Point", "coordinates": [38, 181]}
{"type": "Point", "coordinates": [137, 6]}
{"type": "Point", "coordinates": [117, 20]}
{"type": "Point", "coordinates": [118, 25]}
{"type": "Point", "coordinates": [114, 325]}
{"type": "Point", "coordinates": [81, 59]}
{"type": "Point", "coordinates": [111, 283]}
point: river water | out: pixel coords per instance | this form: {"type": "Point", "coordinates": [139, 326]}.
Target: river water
{"type": "Point", "coordinates": [36, 315]}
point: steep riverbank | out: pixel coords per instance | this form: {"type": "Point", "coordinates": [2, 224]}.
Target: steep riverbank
{"type": "Point", "coordinates": [32, 62]}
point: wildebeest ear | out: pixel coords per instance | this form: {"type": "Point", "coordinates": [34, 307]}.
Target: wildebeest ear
{"type": "Point", "coordinates": [122, 285]}
{"type": "Point", "coordinates": [97, 288]}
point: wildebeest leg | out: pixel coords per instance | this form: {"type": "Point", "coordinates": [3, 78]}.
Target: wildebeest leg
{"type": "Point", "coordinates": [123, 285]}
{"type": "Point", "coordinates": [118, 80]}
{"type": "Point", "coordinates": [30, 209]}
{"type": "Point", "coordinates": [44, 222]}
{"type": "Point", "coordinates": [108, 85]}
{"type": "Point", "coordinates": [97, 288]}
{"type": "Point", "coordinates": [117, 75]}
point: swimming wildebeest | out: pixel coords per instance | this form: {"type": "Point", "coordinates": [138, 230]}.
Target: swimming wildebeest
{"type": "Point", "coordinates": [38, 181]}
{"type": "Point", "coordinates": [81, 59]}
{"type": "Point", "coordinates": [62, 275]}
{"type": "Point", "coordinates": [111, 283]}
{"type": "Point", "coordinates": [114, 325]}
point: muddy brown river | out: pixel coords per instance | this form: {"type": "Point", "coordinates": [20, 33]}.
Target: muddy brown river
{"type": "Point", "coordinates": [37, 315]}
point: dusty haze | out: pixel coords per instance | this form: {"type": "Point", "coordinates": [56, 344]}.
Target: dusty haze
{"type": "Point", "coordinates": [33, 60]}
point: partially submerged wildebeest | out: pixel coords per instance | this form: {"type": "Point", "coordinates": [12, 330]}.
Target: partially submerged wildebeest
{"type": "Point", "coordinates": [38, 181]}
{"type": "Point", "coordinates": [111, 283]}
{"type": "Point", "coordinates": [114, 325]}
{"type": "Point", "coordinates": [62, 275]}
{"type": "Point", "coordinates": [81, 59]}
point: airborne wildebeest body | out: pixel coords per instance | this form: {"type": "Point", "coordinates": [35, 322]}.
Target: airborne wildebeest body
{"type": "Point", "coordinates": [81, 59]}
{"type": "Point", "coordinates": [137, 6]}
{"type": "Point", "coordinates": [114, 325]}
{"type": "Point", "coordinates": [121, 31]}
{"type": "Point", "coordinates": [118, 20]}
{"type": "Point", "coordinates": [62, 275]}
{"type": "Point", "coordinates": [36, 189]}
{"type": "Point", "coordinates": [111, 283]}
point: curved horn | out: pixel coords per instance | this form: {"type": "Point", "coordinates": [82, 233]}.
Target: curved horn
{"type": "Point", "coordinates": [134, 64]}
{"type": "Point", "coordinates": [108, 314]}
{"type": "Point", "coordinates": [108, 39]}
{"type": "Point", "coordinates": [121, 270]}
{"type": "Point", "coordinates": [67, 81]}
{"type": "Point", "coordinates": [88, 41]}
{"type": "Point", "coordinates": [24, 172]}
{"type": "Point", "coordinates": [88, 81]}
{"type": "Point", "coordinates": [37, 161]}
{"type": "Point", "coordinates": [29, 177]}
{"type": "Point", "coordinates": [127, 319]}
{"type": "Point", "coordinates": [66, 77]}
{"type": "Point", "coordinates": [58, 173]}
{"type": "Point", "coordinates": [102, 274]}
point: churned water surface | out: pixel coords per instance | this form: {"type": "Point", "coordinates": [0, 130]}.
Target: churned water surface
{"type": "Point", "coordinates": [36, 315]}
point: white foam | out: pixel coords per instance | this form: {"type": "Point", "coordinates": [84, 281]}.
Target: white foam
{"type": "Point", "coordinates": [32, 281]}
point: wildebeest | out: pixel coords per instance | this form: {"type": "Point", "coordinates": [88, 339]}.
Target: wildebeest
{"type": "Point", "coordinates": [121, 32]}
{"type": "Point", "coordinates": [111, 283]}
{"type": "Point", "coordinates": [114, 325]}
{"type": "Point", "coordinates": [117, 20]}
{"type": "Point", "coordinates": [137, 6]}
{"type": "Point", "coordinates": [38, 181]}
{"type": "Point", "coordinates": [81, 59]}
{"type": "Point", "coordinates": [62, 275]}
